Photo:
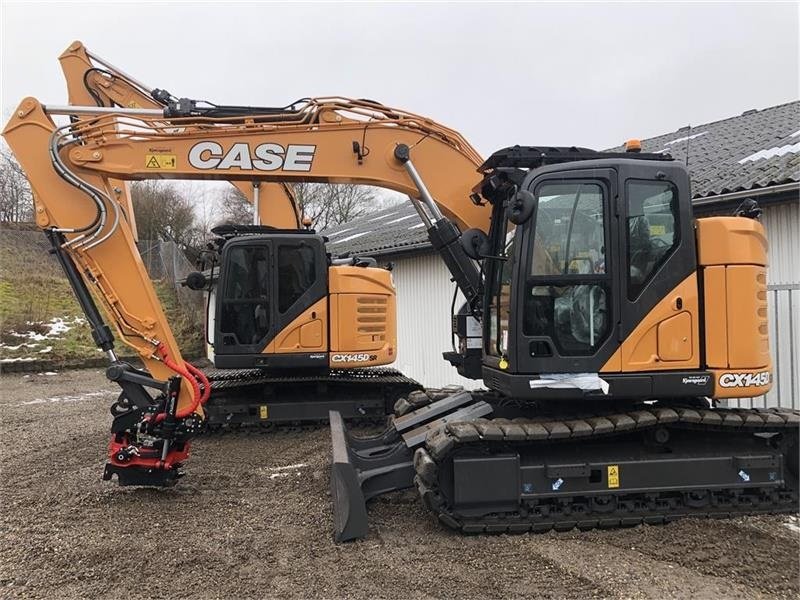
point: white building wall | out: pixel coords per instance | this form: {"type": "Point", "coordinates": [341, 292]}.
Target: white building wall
{"type": "Point", "coordinates": [782, 222]}
{"type": "Point", "coordinates": [424, 298]}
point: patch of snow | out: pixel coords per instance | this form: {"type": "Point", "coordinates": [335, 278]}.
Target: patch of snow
{"type": "Point", "coordinates": [351, 237]}
{"type": "Point", "coordinates": [78, 398]}
{"type": "Point", "coordinates": [10, 360]}
{"type": "Point", "coordinates": [386, 216]}
{"type": "Point", "coordinates": [402, 219]}
{"type": "Point", "coordinates": [285, 471]}
{"type": "Point", "coordinates": [46, 350]}
{"type": "Point", "coordinates": [288, 467]}
{"type": "Point", "coordinates": [683, 139]}
{"type": "Point", "coordinates": [340, 232]}
{"type": "Point", "coordinates": [771, 152]}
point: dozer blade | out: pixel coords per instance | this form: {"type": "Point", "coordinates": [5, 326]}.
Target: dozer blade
{"type": "Point", "coordinates": [362, 468]}
{"type": "Point", "coordinates": [349, 506]}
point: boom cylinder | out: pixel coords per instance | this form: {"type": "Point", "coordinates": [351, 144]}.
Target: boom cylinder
{"type": "Point", "coordinates": [445, 237]}
{"type": "Point", "coordinates": [101, 333]}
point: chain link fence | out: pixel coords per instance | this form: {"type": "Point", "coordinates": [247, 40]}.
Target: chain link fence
{"type": "Point", "coordinates": [167, 263]}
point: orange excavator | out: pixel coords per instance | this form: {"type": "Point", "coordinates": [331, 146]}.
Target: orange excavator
{"type": "Point", "coordinates": [606, 321]}
{"type": "Point", "coordinates": [283, 377]}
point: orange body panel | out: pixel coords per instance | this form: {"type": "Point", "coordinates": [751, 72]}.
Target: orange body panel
{"type": "Point", "coordinates": [732, 252]}
{"type": "Point", "coordinates": [715, 299]}
{"type": "Point", "coordinates": [667, 338]}
{"type": "Point", "coordinates": [307, 333]}
{"type": "Point", "coordinates": [363, 317]}
{"type": "Point", "coordinates": [741, 383]}
{"type": "Point", "coordinates": [730, 241]}
{"type": "Point", "coordinates": [748, 334]}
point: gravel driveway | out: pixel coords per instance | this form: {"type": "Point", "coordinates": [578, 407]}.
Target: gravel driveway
{"type": "Point", "coordinates": [252, 519]}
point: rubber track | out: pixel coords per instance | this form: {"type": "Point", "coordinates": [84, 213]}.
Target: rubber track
{"type": "Point", "coordinates": [226, 382]}
{"type": "Point", "coordinates": [228, 379]}
{"type": "Point", "coordinates": [632, 509]}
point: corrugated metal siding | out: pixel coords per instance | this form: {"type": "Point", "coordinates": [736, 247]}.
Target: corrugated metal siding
{"type": "Point", "coordinates": [424, 298]}
{"type": "Point", "coordinates": [782, 222]}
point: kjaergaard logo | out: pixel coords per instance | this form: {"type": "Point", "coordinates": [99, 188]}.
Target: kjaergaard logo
{"type": "Point", "coordinates": [729, 380]}
{"type": "Point", "coordinates": [696, 380]}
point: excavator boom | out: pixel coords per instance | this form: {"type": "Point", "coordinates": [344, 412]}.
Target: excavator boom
{"type": "Point", "coordinates": [92, 80]}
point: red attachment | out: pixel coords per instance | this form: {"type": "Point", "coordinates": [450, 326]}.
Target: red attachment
{"type": "Point", "coordinates": [148, 458]}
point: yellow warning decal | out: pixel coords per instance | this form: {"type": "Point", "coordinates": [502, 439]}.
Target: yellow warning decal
{"type": "Point", "coordinates": [658, 230]}
{"type": "Point", "coordinates": [160, 161]}
{"type": "Point", "coordinates": [613, 476]}
{"type": "Point", "coordinates": [263, 411]}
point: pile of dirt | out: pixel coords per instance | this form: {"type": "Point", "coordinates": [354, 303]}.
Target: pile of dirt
{"type": "Point", "coordinates": [252, 519]}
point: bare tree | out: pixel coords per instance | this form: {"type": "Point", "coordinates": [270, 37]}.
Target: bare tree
{"type": "Point", "coordinates": [331, 204]}
{"type": "Point", "coordinates": [16, 199]}
{"type": "Point", "coordinates": [235, 208]}
{"type": "Point", "coordinates": [163, 213]}
{"type": "Point", "coordinates": [325, 204]}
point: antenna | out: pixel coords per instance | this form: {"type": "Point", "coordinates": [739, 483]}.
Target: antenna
{"type": "Point", "coordinates": [688, 140]}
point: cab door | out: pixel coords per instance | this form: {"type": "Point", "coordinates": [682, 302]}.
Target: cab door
{"type": "Point", "coordinates": [658, 286]}
{"type": "Point", "coordinates": [566, 301]}
{"type": "Point", "coordinates": [245, 308]}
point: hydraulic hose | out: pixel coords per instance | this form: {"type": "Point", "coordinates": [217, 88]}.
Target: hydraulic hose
{"type": "Point", "coordinates": [161, 350]}
{"type": "Point", "coordinates": [203, 380]}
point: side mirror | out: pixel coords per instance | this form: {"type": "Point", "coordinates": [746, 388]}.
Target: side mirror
{"type": "Point", "coordinates": [475, 243]}
{"type": "Point", "coordinates": [196, 281]}
{"type": "Point", "coordinates": [521, 207]}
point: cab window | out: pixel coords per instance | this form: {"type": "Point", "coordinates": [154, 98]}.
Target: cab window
{"type": "Point", "coordinates": [567, 291]}
{"type": "Point", "coordinates": [651, 231]}
{"type": "Point", "coordinates": [296, 273]}
{"type": "Point", "coordinates": [246, 299]}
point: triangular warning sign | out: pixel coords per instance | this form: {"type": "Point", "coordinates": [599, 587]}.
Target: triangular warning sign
{"type": "Point", "coordinates": [153, 163]}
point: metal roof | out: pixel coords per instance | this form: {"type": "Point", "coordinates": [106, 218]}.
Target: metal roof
{"type": "Point", "coordinates": [388, 231]}
{"type": "Point", "coordinates": [755, 150]}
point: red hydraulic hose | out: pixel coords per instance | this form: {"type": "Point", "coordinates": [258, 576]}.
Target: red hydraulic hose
{"type": "Point", "coordinates": [162, 352]}
{"type": "Point", "coordinates": [203, 379]}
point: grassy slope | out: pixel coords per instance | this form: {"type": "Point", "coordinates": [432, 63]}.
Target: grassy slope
{"type": "Point", "coordinates": [34, 291]}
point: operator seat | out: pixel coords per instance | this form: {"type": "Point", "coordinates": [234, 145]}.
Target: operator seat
{"type": "Point", "coordinates": [640, 249]}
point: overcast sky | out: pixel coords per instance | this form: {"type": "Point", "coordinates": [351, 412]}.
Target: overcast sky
{"type": "Point", "coordinates": [555, 74]}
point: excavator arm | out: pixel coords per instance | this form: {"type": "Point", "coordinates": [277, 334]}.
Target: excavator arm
{"type": "Point", "coordinates": [92, 80]}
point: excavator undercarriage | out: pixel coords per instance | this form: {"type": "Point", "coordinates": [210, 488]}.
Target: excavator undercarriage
{"type": "Point", "coordinates": [482, 464]}
{"type": "Point", "coordinates": [253, 397]}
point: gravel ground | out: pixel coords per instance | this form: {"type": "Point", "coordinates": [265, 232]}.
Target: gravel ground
{"type": "Point", "coordinates": [252, 519]}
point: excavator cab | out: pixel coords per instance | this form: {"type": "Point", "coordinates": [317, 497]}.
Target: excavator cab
{"type": "Point", "coordinates": [603, 242]}
{"type": "Point", "coordinates": [269, 284]}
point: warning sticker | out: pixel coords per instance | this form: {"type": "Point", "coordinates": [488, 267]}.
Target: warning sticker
{"type": "Point", "coordinates": [658, 230]}
{"type": "Point", "coordinates": [263, 412]}
{"type": "Point", "coordinates": [613, 476]}
{"type": "Point", "coordinates": [160, 161]}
